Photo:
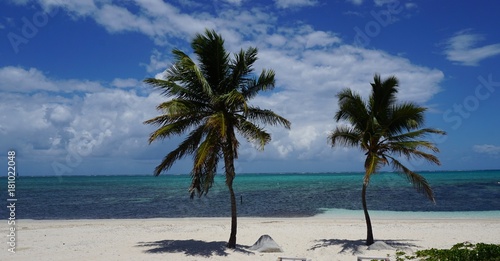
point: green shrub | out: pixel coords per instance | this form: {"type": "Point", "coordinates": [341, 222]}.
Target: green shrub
{"type": "Point", "coordinates": [459, 252]}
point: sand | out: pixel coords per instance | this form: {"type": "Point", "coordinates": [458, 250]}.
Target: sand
{"type": "Point", "coordinates": [315, 238]}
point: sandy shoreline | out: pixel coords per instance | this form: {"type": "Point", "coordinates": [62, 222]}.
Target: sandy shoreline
{"type": "Point", "coordinates": [316, 238]}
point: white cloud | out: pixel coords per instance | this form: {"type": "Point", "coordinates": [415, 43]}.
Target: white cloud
{"type": "Point", "coordinates": [234, 2]}
{"type": "Point", "coordinates": [461, 49]}
{"type": "Point", "coordinates": [487, 149]}
{"type": "Point", "coordinates": [384, 2]}
{"type": "Point", "coordinates": [355, 2]}
{"type": "Point", "coordinates": [116, 19]}
{"type": "Point", "coordinates": [311, 67]}
{"type": "Point", "coordinates": [125, 83]}
{"type": "Point", "coordinates": [157, 62]}
{"type": "Point", "coordinates": [294, 3]}
{"type": "Point", "coordinates": [155, 18]}
{"type": "Point", "coordinates": [410, 5]}
{"type": "Point", "coordinates": [59, 113]}
{"type": "Point", "coordinates": [75, 8]}
{"type": "Point", "coordinates": [310, 81]}
{"type": "Point", "coordinates": [320, 39]}
{"type": "Point", "coordinates": [18, 79]}
{"type": "Point", "coordinates": [106, 125]}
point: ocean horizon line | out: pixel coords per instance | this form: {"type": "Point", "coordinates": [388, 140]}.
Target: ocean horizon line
{"type": "Point", "coordinates": [252, 173]}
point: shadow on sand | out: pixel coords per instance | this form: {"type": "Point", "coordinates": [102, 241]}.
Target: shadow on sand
{"type": "Point", "coordinates": [191, 247]}
{"type": "Point", "coordinates": [353, 246]}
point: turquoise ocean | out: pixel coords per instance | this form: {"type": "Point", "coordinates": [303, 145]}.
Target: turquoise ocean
{"type": "Point", "coordinates": [258, 195]}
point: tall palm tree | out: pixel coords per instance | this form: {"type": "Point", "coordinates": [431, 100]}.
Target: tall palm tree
{"type": "Point", "coordinates": [384, 130]}
{"type": "Point", "coordinates": [210, 101]}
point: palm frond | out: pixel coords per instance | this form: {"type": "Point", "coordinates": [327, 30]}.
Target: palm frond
{"type": "Point", "coordinates": [187, 72]}
{"type": "Point", "coordinates": [345, 136]}
{"type": "Point", "coordinates": [241, 67]}
{"type": "Point", "coordinates": [217, 123]}
{"type": "Point", "coordinates": [208, 147]}
{"type": "Point", "coordinates": [188, 146]}
{"type": "Point", "coordinates": [411, 150]}
{"type": "Point", "coordinates": [213, 58]}
{"type": "Point", "coordinates": [233, 100]}
{"type": "Point", "coordinates": [383, 95]}
{"type": "Point", "coordinates": [180, 108]}
{"type": "Point", "coordinates": [404, 117]}
{"type": "Point", "coordinates": [204, 170]}
{"type": "Point", "coordinates": [418, 181]}
{"type": "Point", "coordinates": [253, 133]}
{"type": "Point", "coordinates": [415, 134]}
{"type": "Point", "coordinates": [175, 128]}
{"type": "Point", "coordinates": [372, 165]}
{"type": "Point", "coordinates": [352, 108]}
{"type": "Point", "coordinates": [202, 179]}
{"type": "Point", "coordinates": [265, 82]}
{"type": "Point", "coordinates": [170, 88]}
{"type": "Point", "coordinates": [179, 116]}
{"type": "Point", "coordinates": [267, 117]}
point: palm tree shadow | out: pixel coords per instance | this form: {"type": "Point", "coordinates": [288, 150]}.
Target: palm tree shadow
{"type": "Point", "coordinates": [190, 247]}
{"type": "Point", "coordinates": [353, 246]}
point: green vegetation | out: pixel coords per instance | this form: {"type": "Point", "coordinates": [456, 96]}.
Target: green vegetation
{"type": "Point", "coordinates": [459, 252]}
{"type": "Point", "coordinates": [209, 101]}
{"type": "Point", "coordinates": [384, 130]}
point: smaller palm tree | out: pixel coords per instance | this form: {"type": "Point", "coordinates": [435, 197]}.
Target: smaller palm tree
{"type": "Point", "coordinates": [384, 130]}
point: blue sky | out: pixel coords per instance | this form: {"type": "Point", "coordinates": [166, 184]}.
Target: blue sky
{"type": "Point", "coordinates": [73, 101]}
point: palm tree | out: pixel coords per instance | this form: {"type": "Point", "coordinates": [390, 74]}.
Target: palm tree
{"type": "Point", "coordinates": [384, 130]}
{"type": "Point", "coordinates": [210, 101]}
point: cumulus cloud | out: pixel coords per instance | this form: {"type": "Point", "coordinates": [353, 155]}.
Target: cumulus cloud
{"type": "Point", "coordinates": [66, 132]}
{"type": "Point", "coordinates": [355, 2]}
{"type": "Point", "coordinates": [384, 2]}
{"type": "Point", "coordinates": [125, 83]}
{"type": "Point", "coordinates": [487, 149]}
{"type": "Point", "coordinates": [234, 2]}
{"type": "Point", "coordinates": [294, 3]}
{"type": "Point", "coordinates": [155, 18]}
{"type": "Point", "coordinates": [311, 67]}
{"type": "Point", "coordinates": [411, 5]}
{"type": "Point", "coordinates": [461, 48]}
{"type": "Point", "coordinates": [310, 82]}
{"type": "Point", "coordinates": [18, 79]}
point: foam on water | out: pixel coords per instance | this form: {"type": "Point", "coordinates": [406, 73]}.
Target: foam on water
{"type": "Point", "coordinates": [401, 215]}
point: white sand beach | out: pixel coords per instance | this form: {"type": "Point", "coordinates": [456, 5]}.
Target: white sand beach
{"type": "Point", "coordinates": [316, 238]}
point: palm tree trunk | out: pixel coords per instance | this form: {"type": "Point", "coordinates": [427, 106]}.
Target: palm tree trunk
{"type": "Point", "coordinates": [230, 174]}
{"type": "Point", "coordinates": [369, 235]}
{"type": "Point", "coordinates": [232, 238]}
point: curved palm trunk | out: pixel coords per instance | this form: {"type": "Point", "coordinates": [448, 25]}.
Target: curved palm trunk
{"type": "Point", "coordinates": [230, 174]}
{"type": "Point", "coordinates": [232, 238]}
{"type": "Point", "coordinates": [369, 235]}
